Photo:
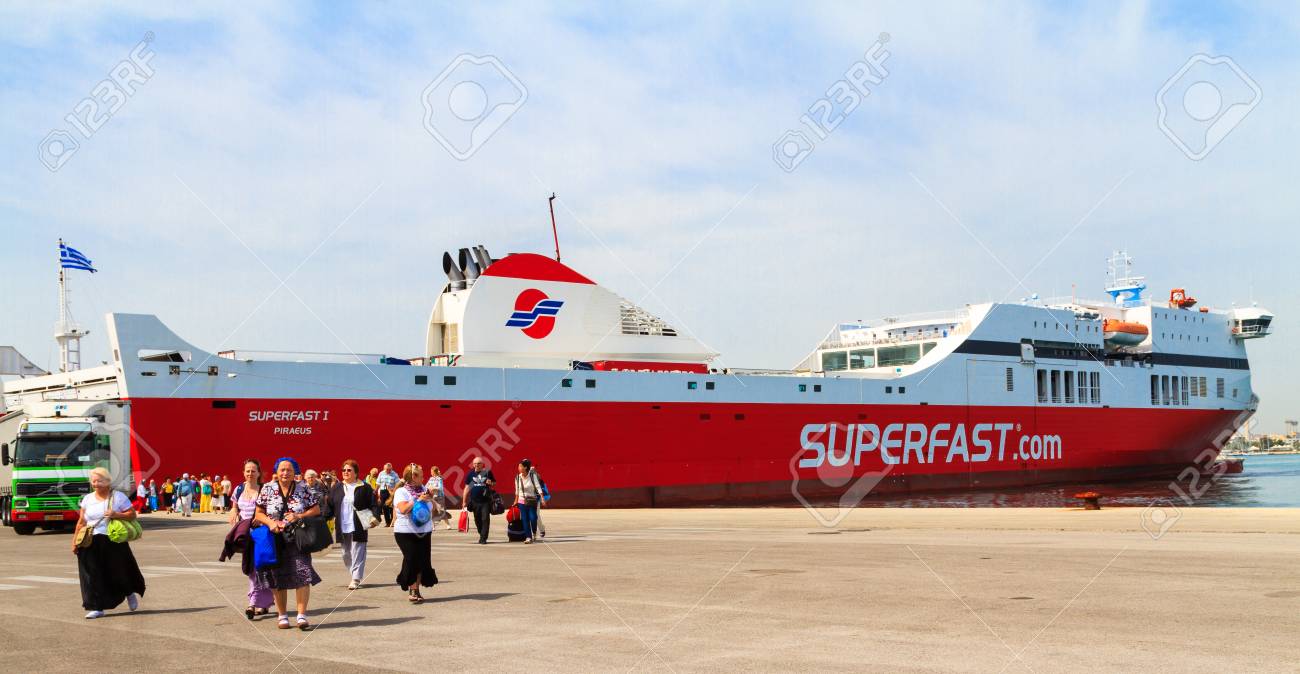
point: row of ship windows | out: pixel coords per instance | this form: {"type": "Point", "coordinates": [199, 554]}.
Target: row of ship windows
{"type": "Point", "coordinates": [1077, 328]}
{"type": "Point", "coordinates": [1066, 386]}
{"type": "Point", "coordinates": [1178, 390]}
{"type": "Point", "coordinates": [879, 356]}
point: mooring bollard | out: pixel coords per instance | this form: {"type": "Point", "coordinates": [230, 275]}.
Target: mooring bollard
{"type": "Point", "coordinates": [1091, 500]}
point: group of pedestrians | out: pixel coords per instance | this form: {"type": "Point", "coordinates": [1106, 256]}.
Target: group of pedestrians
{"type": "Point", "coordinates": [189, 493]}
{"type": "Point", "coordinates": [298, 503]}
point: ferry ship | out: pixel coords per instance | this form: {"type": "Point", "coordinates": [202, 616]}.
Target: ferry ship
{"type": "Point", "coordinates": [527, 358]}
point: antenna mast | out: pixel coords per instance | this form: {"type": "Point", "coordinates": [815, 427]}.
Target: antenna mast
{"type": "Point", "coordinates": [554, 232]}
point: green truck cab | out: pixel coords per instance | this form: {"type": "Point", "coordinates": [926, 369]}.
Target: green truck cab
{"type": "Point", "coordinates": [48, 450]}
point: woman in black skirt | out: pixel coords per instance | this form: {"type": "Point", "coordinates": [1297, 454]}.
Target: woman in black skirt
{"type": "Point", "coordinates": [108, 570]}
{"type": "Point", "coordinates": [414, 539]}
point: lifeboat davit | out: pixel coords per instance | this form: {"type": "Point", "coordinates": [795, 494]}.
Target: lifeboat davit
{"type": "Point", "coordinates": [1123, 333]}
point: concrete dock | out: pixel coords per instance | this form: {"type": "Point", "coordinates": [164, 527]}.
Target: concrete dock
{"type": "Point", "coordinates": [920, 590]}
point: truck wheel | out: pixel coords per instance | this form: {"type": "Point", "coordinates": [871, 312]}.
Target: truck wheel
{"type": "Point", "coordinates": [5, 514]}
{"type": "Point", "coordinates": [24, 528]}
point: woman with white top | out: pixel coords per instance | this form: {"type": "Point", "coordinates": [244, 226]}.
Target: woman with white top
{"type": "Point", "coordinates": [108, 571]}
{"type": "Point", "coordinates": [435, 489]}
{"type": "Point", "coordinates": [413, 539]}
{"type": "Point", "coordinates": [528, 498]}
{"type": "Point", "coordinates": [351, 499]}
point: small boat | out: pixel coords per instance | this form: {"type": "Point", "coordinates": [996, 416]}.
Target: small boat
{"type": "Point", "coordinates": [1124, 333]}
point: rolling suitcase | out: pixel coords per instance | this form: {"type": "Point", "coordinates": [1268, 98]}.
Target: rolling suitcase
{"type": "Point", "coordinates": [515, 531]}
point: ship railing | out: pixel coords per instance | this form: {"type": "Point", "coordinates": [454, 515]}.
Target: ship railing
{"type": "Point", "coordinates": [759, 372]}
{"type": "Point", "coordinates": [949, 316]}
{"type": "Point", "coordinates": [306, 357]}
{"type": "Point", "coordinates": [927, 336]}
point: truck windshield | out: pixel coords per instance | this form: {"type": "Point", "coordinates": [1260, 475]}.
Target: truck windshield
{"type": "Point", "coordinates": [72, 451]}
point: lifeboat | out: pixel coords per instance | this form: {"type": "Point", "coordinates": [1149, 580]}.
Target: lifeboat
{"type": "Point", "coordinates": [1123, 333]}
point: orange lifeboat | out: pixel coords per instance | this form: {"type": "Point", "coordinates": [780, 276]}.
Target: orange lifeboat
{"type": "Point", "coordinates": [1178, 299]}
{"type": "Point", "coordinates": [1123, 333]}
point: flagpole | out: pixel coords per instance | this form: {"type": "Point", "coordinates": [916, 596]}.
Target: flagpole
{"type": "Point", "coordinates": [68, 335]}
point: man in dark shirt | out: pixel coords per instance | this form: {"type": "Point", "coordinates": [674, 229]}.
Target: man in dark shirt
{"type": "Point", "coordinates": [477, 496]}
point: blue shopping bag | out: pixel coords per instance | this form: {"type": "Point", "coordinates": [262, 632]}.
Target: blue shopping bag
{"type": "Point", "coordinates": [264, 556]}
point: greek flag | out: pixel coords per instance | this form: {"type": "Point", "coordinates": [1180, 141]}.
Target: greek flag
{"type": "Point", "coordinates": [71, 258]}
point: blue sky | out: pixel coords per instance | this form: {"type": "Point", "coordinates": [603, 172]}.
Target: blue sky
{"type": "Point", "coordinates": [652, 122]}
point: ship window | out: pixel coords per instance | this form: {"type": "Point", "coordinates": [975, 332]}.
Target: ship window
{"type": "Point", "coordinates": [817, 388]}
{"type": "Point", "coordinates": [692, 385]}
{"type": "Point", "coordinates": [861, 359]}
{"type": "Point", "coordinates": [1042, 386]}
{"type": "Point", "coordinates": [1011, 381]}
{"type": "Point", "coordinates": [223, 404]}
{"type": "Point", "coordinates": [925, 348]}
{"type": "Point", "coordinates": [421, 380]}
{"type": "Point", "coordinates": [1069, 386]}
{"type": "Point", "coordinates": [1204, 391]}
{"type": "Point", "coordinates": [1185, 391]}
{"type": "Point", "coordinates": [1164, 389]}
{"type": "Point", "coordinates": [1056, 386]}
{"type": "Point", "coordinates": [449, 380]}
{"type": "Point", "coordinates": [834, 361]}
{"type": "Point", "coordinates": [708, 385]}
{"type": "Point", "coordinates": [889, 389]}
{"type": "Point", "coordinates": [591, 383]}
{"type": "Point", "coordinates": [1155, 389]}
{"type": "Point", "coordinates": [803, 388]}
{"type": "Point", "coordinates": [1095, 379]}
{"type": "Point", "coordinates": [906, 354]}
{"type": "Point", "coordinates": [902, 390]}
{"type": "Point", "coordinates": [566, 383]}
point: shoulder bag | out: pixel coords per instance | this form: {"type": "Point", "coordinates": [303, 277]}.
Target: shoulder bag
{"type": "Point", "coordinates": [309, 534]}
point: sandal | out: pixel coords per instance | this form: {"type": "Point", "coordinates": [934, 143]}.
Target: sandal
{"type": "Point", "coordinates": [282, 622]}
{"type": "Point", "coordinates": [302, 623]}
{"type": "Point", "coordinates": [414, 597]}
{"type": "Point", "coordinates": [250, 612]}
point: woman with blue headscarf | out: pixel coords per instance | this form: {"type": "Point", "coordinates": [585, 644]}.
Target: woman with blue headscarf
{"type": "Point", "coordinates": [281, 502]}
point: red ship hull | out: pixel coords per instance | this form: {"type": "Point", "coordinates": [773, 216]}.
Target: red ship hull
{"type": "Point", "coordinates": [622, 454]}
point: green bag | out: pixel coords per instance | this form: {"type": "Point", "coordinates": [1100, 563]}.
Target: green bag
{"type": "Point", "coordinates": [121, 531]}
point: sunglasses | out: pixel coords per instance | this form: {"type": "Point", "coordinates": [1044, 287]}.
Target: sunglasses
{"type": "Point", "coordinates": [347, 470]}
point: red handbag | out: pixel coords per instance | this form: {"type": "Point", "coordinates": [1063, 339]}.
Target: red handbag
{"type": "Point", "coordinates": [463, 526]}
{"type": "Point", "coordinates": [512, 515]}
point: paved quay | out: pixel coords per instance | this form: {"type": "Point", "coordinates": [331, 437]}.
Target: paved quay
{"type": "Point", "coordinates": [761, 589]}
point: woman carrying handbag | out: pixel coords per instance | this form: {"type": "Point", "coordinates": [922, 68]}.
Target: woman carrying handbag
{"type": "Point", "coordinates": [351, 501]}
{"type": "Point", "coordinates": [108, 571]}
{"type": "Point", "coordinates": [282, 502]}
{"type": "Point", "coordinates": [412, 527]}
{"type": "Point", "coordinates": [528, 497]}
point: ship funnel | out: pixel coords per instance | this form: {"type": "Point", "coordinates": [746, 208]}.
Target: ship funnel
{"type": "Point", "coordinates": [481, 254]}
{"type": "Point", "coordinates": [468, 265]}
{"type": "Point", "coordinates": [453, 272]}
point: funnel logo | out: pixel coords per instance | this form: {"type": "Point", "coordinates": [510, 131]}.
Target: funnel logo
{"type": "Point", "coordinates": [534, 313]}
